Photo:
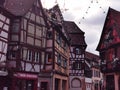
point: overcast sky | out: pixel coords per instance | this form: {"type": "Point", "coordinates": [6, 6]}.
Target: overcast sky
{"type": "Point", "coordinates": [89, 15]}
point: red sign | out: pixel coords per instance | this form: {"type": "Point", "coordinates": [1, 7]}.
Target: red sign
{"type": "Point", "coordinates": [25, 75]}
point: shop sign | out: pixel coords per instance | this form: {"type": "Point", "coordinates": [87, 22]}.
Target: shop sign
{"type": "Point", "coordinates": [25, 75]}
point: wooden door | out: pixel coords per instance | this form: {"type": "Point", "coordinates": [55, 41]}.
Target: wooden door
{"type": "Point", "coordinates": [110, 85]}
{"type": "Point", "coordinates": [44, 86]}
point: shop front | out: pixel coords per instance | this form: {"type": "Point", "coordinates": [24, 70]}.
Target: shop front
{"type": "Point", "coordinates": [24, 81]}
{"type": "Point", "coordinates": [3, 80]}
{"type": "Point", "coordinates": [110, 82]}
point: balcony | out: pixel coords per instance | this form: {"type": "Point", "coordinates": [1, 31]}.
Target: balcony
{"type": "Point", "coordinates": [113, 66]}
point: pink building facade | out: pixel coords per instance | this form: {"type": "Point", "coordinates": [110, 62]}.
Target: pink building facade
{"type": "Point", "coordinates": [109, 49]}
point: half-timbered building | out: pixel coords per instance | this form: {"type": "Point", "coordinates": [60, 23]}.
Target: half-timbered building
{"type": "Point", "coordinates": [54, 75]}
{"type": "Point", "coordinates": [77, 56]}
{"type": "Point", "coordinates": [25, 43]}
{"type": "Point", "coordinates": [5, 19]}
{"type": "Point", "coordinates": [93, 71]}
{"type": "Point", "coordinates": [109, 50]}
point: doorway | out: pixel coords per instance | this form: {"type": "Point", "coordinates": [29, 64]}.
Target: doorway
{"type": "Point", "coordinates": [22, 84]}
{"type": "Point", "coordinates": [57, 82]}
{"type": "Point", "coordinates": [110, 85]}
{"type": "Point", "coordinates": [29, 85]}
{"type": "Point", "coordinates": [44, 86]}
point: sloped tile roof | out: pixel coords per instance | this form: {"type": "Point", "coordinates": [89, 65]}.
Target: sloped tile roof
{"type": "Point", "coordinates": [77, 39]}
{"type": "Point", "coordinates": [75, 33]}
{"type": "Point", "coordinates": [72, 27]}
{"type": "Point", "coordinates": [113, 16]}
{"type": "Point", "coordinates": [91, 56]}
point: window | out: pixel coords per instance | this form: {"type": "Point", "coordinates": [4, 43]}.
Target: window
{"type": "Point", "coordinates": [96, 73]}
{"type": "Point", "coordinates": [77, 51]}
{"type": "Point", "coordinates": [48, 57]}
{"type": "Point", "coordinates": [16, 26]}
{"type": "Point", "coordinates": [12, 55]}
{"type": "Point", "coordinates": [64, 63]}
{"type": "Point", "coordinates": [49, 34]}
{"type": "Point", "coordinates": [64, 44]}
{"type": "Point", "coordinates": [59, 59]}
{"type": "Point", "coordinates": [29, 55]}
{"type": "Point", "coordinates": [77, 65]}
{"type": "Point", "coordinates": [58, 38]}
{"type": "Point", "coordinates": [37, 56]}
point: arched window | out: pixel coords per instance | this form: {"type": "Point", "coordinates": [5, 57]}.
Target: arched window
{"type": "Point", "coordinates": [76, 83]}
